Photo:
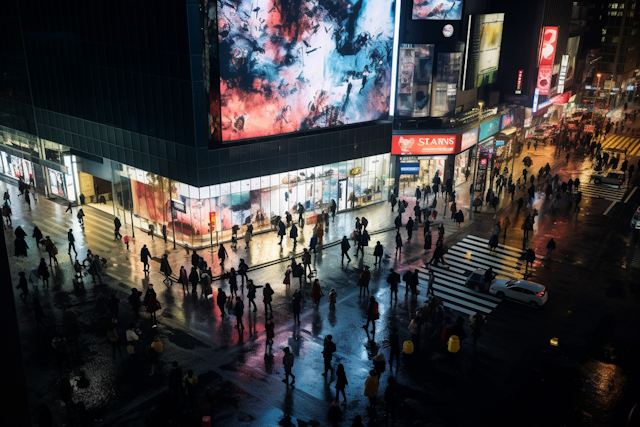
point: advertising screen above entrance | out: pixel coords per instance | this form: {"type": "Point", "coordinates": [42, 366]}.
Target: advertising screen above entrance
{"type": "Point", "coordinates": [424, 144]}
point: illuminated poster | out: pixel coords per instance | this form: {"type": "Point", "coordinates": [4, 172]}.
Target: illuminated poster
{"type": "Point", "coordinates": [483, 51]}
{"type": "Point", "coordinates": [448, 10]}
{"type": "Point", "coordinates": [547, 53]}
{"type": "Point", "coordinates": [415, 69]}
{"type": "Point", "coordinates": [296, 65]}
{"type": "Point", "coordinates": [572, 50]}
{"type": "Point", "coordinates": [449, 66]}
{"type": "Point", "coordinates": [424, 144]}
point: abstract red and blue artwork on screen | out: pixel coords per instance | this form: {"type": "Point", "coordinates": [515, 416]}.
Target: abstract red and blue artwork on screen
{"type": "Point", "coordinates": [292, 65]}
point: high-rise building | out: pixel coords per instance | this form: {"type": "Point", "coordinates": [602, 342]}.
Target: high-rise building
{"type": "Point", "coordinates": [177, 113]}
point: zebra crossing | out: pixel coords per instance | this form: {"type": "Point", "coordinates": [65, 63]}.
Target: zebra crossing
{"type": "Point", "coordinates": [619, 142]}
{"type": "Point", "coordinates": [464, 257]}
{"type": "Point", "coordinates": [600, 192]}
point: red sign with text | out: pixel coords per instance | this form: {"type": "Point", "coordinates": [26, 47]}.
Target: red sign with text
{"type": "Point", "coordinates": [547, 54]}
{"type": "Point", "coordinates": [425, 144]}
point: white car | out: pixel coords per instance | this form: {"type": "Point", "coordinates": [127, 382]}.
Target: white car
{"type": "Point", "coordinates": [635, 220]}
{"type": "Point", "coordinates": [527, 292]}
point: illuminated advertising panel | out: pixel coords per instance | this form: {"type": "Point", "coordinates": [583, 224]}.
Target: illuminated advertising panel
{"type": "Point", "coordinates": [302, 64]}
{"type": "Point", "coordinates": [547, 54]}
{"type": "Point", "coordinates": [449, 66]}
{"type": "Point", "coordinates": [415, 69]}
{"type": "Point", "coordinates": [563, 73]}
{"type": "Point", "coordinates": [508, 119]}
{"type": "Point", "coordinates": [423, 144]}
{"type": "Point", "coordinates": [572, 50]}
{"type": "Point", "coordinates": [469, 139]}
{"type": "Point", "coordinates": [482, 54]}
{"type": "Point", "coordinates": [489, 128]}
{"type": "Point", "coordinates": [519, 82]}
{"type": "Point", "coordinates": [439, 10]}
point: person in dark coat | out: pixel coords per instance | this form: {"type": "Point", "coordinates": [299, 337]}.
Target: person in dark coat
{"type": "Point", "coordinates": [377, 253]}
{"type": "Point", "coordinates": [23, 286]}
{"type": "Point", "coordinates": [152, 303]}
{"type": "Point", "coordinates": [194, 278]}
{"type": "Point", "coordinates": [165, 269]}
{"type": "Point", "coordinates": [398, 222]}
{"type": "Point", "coordinates": [37, 235]}
{"type": "Point", "coordinates": [195, 258]}
{"type": "Point", "coordinates": [221, 301]}
{"type": "Point", "coordinates": [341, 383]}
{"type": "Point", "coordinates": [281, 231]}
{"type": "Point", "coordinates": [293, 233]}
{"type": "Point", "coordinates": [239, 312]}
{"type": "Point", "coordinates": [409, 229]}
{"type": "Point", "coordinates": [296, 305]}
{"type": "Point", "coordinates": [43, 273]}
{"type": "Point", "coordinates": [222, 255]}
{"type": "Point", "coordinates": [175, 381]}
{"type": "Point", "coordinates": [19, 233]}
{"type": "Point", "coordinates": [363, 281]}
{"type": "Point", "coordinates": [344, 246]}
{"type": "Point", "coordinates": [134, 302]}
{"type": "Point", "coordinates": [144, 258]}
{"type": "Point", "coordinates": [20, 247]}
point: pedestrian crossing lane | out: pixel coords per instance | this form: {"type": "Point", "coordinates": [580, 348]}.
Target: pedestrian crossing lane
{"type": "Point", "coordinates": [620, 142]}
{"type": "Point", "coordinates": [600, 192]}
{"type": "Point", "coordinates": [464, 257]}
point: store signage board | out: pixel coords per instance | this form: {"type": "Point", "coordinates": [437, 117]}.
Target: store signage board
{"type": "Point", "coordinates": [469, 139]}
{"type": "Point", "coordinates": [519, 82]}
{"type": "Point", "coordinates": [563, 73]}
{"type": "Point", "coordinates": [489, 128]}
{"type": "Point", "coordinates": [178, 205]}
{"type": "Point", "coordinates": [547, 55]}
{"type": "Point", "coordinates": [423, 144]}
{"type": "Point", "coordinates": [409, 168]}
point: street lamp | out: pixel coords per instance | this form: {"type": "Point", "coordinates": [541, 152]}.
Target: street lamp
{"type": "Point", "coordinates": [599, 75]}
{"type": "Point", "coordinates": [472, 190]}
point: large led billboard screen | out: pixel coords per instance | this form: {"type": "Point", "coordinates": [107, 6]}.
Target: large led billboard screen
{"type": "Point", "coordinates": [415, 69]}
{"type": "Point", "coordinates": [441, 10]}
{"type": "Point", "coordinates": [482, 55]}
{"type": "Point", "coordinates": [572, 50]}
{"type": "Point", "coordinates": [547, 54]}
{"type": "Point", "coordinates": [446, 87]}
{"type": "Point", "coordinates": [297, 65]}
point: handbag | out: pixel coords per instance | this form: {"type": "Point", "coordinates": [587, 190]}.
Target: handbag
{"type": "Point", "coordinates": [131, 349]}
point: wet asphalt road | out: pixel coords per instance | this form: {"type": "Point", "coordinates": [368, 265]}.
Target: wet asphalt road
{"type": "Point", "coordinates": [515, 377]}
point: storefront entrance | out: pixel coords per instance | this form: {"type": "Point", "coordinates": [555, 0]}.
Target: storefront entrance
{"type": "Point", "coordinates": [96, 192]}
{"type": "Point", "coordinates": [427, 168]}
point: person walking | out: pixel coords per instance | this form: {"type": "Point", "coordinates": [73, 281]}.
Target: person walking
{"type": "Point", "coordinates": [233, 282]}
{"type": "Point", "coordinates": [183, 277]}
{"type": "Point", "coordinates": [267, 297]}
{"type": "Point", "coordinates": [165, 269]}
{"type": "Point", "coordinates": [134, 302]}
{"type": "Point", "coordinates": [477, 327]}
{"type": "Point", "coordinates": [398, 244]}
{"type": "Point", "coordinates": [393, 279]}
{"type": "Point", "coordinates": [51, 249]}
{"type": "Point", "coordinates": [306, 261]}
{"type": "Point", "coordinates": [409, 229]}
{"type": "Point", "coordinates": [190, 381]}
{"type": "Point", "coordinates": [527, 226]}
{"type": "Point", "coordinates": [23, 286]}
{"type": "Point", "coordinates": [155, 351]}
{"type": "Point", "coordinates": [372, 315]}
{"type": "Point", "coordinates": [251, 294]}
{"type": "Point", "coordinates": [132, 339]}
{"type": "Point", "coordinates": [345, 246]}
{"type": "Point", "coordinates": [238, 310]}
{"type": "Point", "coordinates": [551, 245]}
{"type": "Point", "coordinates": [144, 258]}
{"type": "Point", "coordinates": [394, 349]}
{"type": "Point", "coordinates": [37, 235]}
{"type": "Point", "coordinates": [114, 308]}
{"type": "Point", "coordinates": [293, 234]}
{"type": "Point", "coordinates": [316, 292]}
{"type": "Point", "coordinates": [363, 241]}
{"type": "Point", "coordinates": [398, 222]}
{"type": "Point", "coordinates": [506, 223]}
{"type": "Point", "coordinates": [341, 383]}
{"type": "Point", "coordinates": [281, 231]}
{"type": "Point", "coordinates": [378, 251]}
{"type": "Point", "coordinates": [72, 242]}
{"type": "Point", "coordinates": [222, 255]}
{"type": "Point", "coordinates": [194, 278]}
{"type": "Point", "coordinates": [363, 280]}
{"type": "Point", "coordinates": [116, 230]}
{"type": "Point", "coordinates": [329, 348]}
{"type": "Point", "coordinates": [164, 232]}
{"type": "Point", "coordinates": [153, 305]}
{"type": "Point", "coordinates": [175, 382]}
{"type": "Point", "coordinates": [43, 273]}
{"type": "Point", "coordinates": [371, 389]}
{"type": "Point", "coordinates": [287, 361]}
{"type": "Point", "coordinates": [114, 340]}
{"type": "Point", "coordinates": [296, 305]}
{"type": "Point", "coordinates": [80, 216]}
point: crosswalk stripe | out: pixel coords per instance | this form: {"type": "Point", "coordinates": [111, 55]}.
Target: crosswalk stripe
{"type": "Point", "coordinates": [455, 289]}
{"type": "Point", "coordinates": [485, 257]}
{"type": "Point", "coordinates": [517, 252]}
{"type": "Point", "coordinates": [607, 193]}
{"type": "Point", "coordinates": [483, 247]}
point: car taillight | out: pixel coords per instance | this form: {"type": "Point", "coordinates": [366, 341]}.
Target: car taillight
{"type": "Point", "coordinates": [540, 294]}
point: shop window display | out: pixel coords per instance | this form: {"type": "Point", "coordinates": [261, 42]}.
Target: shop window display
{"type": "Point", "coordinates": [57, 183]}
{"type": "Point", "coordinates": [257, 201]}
